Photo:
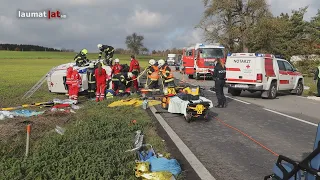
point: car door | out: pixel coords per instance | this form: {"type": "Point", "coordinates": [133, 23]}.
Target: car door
{"type": "Point", "coordinates": [291, 74]}
{"type": "Point", "coordinates": [283, 76]}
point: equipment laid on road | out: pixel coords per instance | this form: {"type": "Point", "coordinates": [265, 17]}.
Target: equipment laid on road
{"type": "Point", "coordinates": [309, 168]}
{"type": "Point", "coordinates": [199, 60]}
{"type": "Point", "coordinates": [56, 79]}
{"type": "Point", "coordinates": [261, 72]}
{"type": "Point", "coordinates": [187, 102]}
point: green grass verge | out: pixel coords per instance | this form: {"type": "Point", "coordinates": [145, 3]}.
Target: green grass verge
{"type": "Point", "coordinates": [93, 147]}
{"type": "Point", "coordinates": [308, 81]}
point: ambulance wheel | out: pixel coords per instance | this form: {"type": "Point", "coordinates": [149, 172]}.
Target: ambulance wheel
{"type": "Point", "coordinates": [299, 88]}
{"type": "Point", "coordinates": [188, 118]}
{"type": "Point", "coordinates": [164, 104]}
{"type": "Point", "coordinates": [272, 92]}
{"type": "Point", "coordinates": [190, 76]}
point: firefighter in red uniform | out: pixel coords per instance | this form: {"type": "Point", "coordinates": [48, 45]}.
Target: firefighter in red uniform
{"type": "Point", "coordinates": [153, 75]}
{"type": "Point", "coordinates": [101, 79]}
{"type": "Point", "coordinates": [165, 72]}
{"type": "Point", "coordinates": [76, 81]}
{"type": "Point", "coordinates": [68, 79]}
{"type": "Point", "coordinates": [135, 70]}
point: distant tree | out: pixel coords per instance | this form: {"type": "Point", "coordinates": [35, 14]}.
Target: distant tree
{"type": "Point", "coordinates": [134, 43]}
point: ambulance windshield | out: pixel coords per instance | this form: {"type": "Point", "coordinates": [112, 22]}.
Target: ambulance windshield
{"type": "Point", "coordinates": [209, 53]}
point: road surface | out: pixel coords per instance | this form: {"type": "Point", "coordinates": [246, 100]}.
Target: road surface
{"type": "Point", "coordinates": [242, 141]}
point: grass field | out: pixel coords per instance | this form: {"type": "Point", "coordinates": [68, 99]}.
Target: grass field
{"type": "Point", "coordinates": [96, 136]}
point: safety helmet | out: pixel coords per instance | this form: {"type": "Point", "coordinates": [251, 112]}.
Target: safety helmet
{"type": "Point", "coordinates": [84, 51]}
{"type": "Point", "coordinates": [99, 46]}
{"type": "Point", "coordinates": [152, 61]}
{"type": "Point", "coordinates": [117, 60]}
{"type": "Point", "coordinates": [91, 65]}
{"type": "Point", "coordinates": [161, 62]}
{"type": "Point", "coordinates": [130, 74]}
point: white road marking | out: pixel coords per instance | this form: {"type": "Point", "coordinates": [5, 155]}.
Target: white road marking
{"type": "Point", "coordinates": [198, 167]}
{"type": "Point", "coordinates": [233, 98]}
{"type": "Point", "coordinates": [297, 119]}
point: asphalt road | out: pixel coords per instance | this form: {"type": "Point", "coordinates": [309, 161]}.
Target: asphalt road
{"type": "Point", "coordinates": [223, 144]}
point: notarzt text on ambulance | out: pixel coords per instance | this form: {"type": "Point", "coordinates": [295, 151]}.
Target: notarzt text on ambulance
{"type": "Point", "coordinates": [242, 61]}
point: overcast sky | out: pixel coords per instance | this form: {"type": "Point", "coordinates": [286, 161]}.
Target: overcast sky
{"type": "Point", "coordinates": [164, 23]}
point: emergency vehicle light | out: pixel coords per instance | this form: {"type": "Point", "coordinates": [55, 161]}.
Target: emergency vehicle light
{"type": "Point", "coordinates": [259, 55]}
{"type": "Point", "coordinates": [201, 45]}
{"type": "Point", "coordinates": [229, 54]}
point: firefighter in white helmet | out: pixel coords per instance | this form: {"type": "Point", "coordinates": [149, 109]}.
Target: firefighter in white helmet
{"type": "Point", "coordinates": [166, 74]}
{"type": "Point", "coordinates": [153, 75]}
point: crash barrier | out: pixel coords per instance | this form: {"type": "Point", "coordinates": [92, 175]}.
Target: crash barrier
{"type": "Point", "coordinates": [151, 165]}
{"type": "Point", "coordinates": [308, 169]}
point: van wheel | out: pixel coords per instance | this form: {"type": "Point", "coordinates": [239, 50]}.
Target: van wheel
{"type": "Point", "coordinates": [177, 68]}
{"type": "Point", "coordinates": [272, 92]}
{"type": "Point", "coordinates": [235, 92]}
{"type": "Point", "coordinates": [299, 88]}
{"type": "Point", "coordinates": [190, 76]}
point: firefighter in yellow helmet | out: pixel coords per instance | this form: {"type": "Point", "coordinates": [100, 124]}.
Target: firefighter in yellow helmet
{"type": "Point", "coordinates": [166, 74]}
{"type": "Point", "coordinates": [81, 58]}
{"type": "Point", "coordinates": [153, 74]}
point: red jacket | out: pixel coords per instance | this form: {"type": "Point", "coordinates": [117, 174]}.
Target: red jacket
{"type": "Point", "coordinates": [116, 69]}
{"type": "Point", "coordinates": [134, 66]}
{"type": "Point", "coordinates": [69, 73]}
{"type": "Point", "coordinates": [75, 78]}
{"type": "Point", "coordinates": [101, 79]}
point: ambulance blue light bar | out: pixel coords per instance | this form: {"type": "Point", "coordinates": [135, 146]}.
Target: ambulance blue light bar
{"type": "Point", "coordinates": [201, 45]}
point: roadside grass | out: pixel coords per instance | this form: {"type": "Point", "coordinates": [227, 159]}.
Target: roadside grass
{"type": "Point", "coordinates": [96, 136]}
{"type": "Point", "coordinates": [308, 81]}
{"type": "Point", "coordinates": [93, 146]}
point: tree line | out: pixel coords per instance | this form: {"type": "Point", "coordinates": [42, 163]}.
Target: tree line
{"type": "Point", "coordinates": [249, 26]}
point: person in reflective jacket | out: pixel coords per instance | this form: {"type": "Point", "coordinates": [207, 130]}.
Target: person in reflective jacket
{"type": "Point", "coordinates": [166, 74]}
{"type": "Point", "coordinates": [109, 51]}
{"type": "Point", "coordinates": [101, 78]}
{"type": "Point", "coordinates": [219, 75]}
{"type": "Point", "coordinates": [153, 75]}
{"type": "Point", "coordinates": [81, 58]}
{"type": "Point", "coordinates": [91, 81]}
{"type": "Point", "coordinates": [123, 83]}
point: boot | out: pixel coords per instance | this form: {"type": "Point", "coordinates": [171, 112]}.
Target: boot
{"type": "Point", "coordinates": [219, 106]}
{"type": "Point", "coordinates": [97, 99]}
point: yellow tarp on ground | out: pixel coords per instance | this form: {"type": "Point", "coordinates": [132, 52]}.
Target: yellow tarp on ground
{"type": "Point", "coordinates": [133, 102]}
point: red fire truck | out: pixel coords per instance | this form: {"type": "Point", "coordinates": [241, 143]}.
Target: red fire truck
{"type": "Point", "coordinates": [199, 60]}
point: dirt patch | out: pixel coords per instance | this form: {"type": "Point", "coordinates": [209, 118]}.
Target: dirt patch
{"type": "Point", "coordinates": [13, 128]}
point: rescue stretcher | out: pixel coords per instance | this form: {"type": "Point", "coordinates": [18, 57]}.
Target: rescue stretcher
{"type": "Point", "coordinates": [307, 169]}
{"type": "Point", "coordinates": [186, 101]}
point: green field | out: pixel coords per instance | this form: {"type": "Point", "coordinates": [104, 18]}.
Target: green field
{"type": "Point", "coordinates": [96, 136]}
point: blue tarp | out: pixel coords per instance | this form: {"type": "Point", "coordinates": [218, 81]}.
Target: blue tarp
{"type": "Point", "coordinates": [26, 113]}
{"type": "Point", "coordinates": [164, 164]}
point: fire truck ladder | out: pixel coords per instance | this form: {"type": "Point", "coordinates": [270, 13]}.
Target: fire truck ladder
{"type": "Point", "coordinates": [36, 86]}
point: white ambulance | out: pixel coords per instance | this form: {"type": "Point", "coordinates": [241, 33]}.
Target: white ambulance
{"type": "Point", "coordinates": [261, 72]}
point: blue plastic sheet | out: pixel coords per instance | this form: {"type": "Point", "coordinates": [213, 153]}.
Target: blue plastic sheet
{"type": "Point", "coordinates": [164, 164]}
{"type": "Point", "coordinates": [26, 113]}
